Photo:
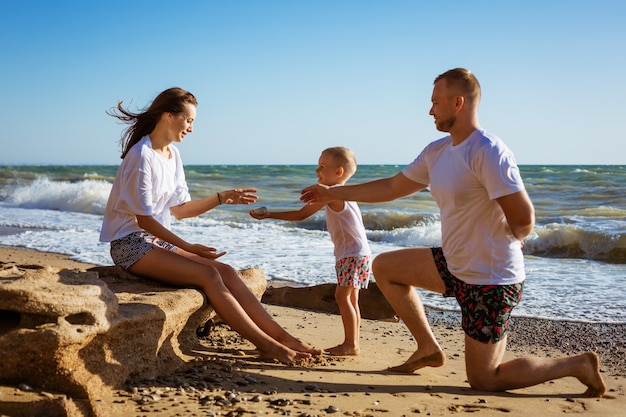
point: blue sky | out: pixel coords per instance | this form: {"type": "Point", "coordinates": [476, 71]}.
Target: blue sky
{"type": "Point", "coordinates": [278, 81]}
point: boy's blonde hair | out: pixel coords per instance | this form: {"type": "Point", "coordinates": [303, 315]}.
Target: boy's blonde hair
{"type": "Point", "coordinates": [344, 158]}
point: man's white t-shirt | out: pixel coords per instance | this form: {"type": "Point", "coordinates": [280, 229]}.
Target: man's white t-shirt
{"type": "Point", "coordinates": [465, 180]}
{"type": "Point", "coordinates": [146, 184]}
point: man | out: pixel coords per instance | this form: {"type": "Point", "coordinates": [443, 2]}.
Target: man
{"type": "Point", "coordinates": [485, 216]}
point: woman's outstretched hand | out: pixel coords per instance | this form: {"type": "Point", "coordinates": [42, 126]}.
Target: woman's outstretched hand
{"type": "Point", "coordinates": [238, 196]}
{"type": "Point", "coordinates": [205, 251]}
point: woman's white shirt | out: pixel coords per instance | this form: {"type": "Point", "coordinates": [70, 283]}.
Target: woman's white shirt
{"type": "Point", "coordinates": [146, 184]}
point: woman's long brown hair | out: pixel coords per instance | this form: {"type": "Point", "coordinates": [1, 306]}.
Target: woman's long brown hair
{"type": "Point", "coordinates": [171, 100]}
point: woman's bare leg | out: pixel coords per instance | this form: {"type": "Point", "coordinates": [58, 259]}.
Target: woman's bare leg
{"type": "Point", "coordinates": [166, 266]}
{"type": "Point", "coordinates": [253, 308]}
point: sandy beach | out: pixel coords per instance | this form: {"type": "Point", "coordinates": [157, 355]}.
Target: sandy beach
{"type": "Point", "coordinates": [225, 378]}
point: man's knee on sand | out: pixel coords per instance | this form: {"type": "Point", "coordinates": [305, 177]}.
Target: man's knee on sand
{"type": "Point", "coordinates": [482, 381]}
{"type": "Point", "coordinates": [482, 363]}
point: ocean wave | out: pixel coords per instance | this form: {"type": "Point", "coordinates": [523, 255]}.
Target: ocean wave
{"type": "Point", "coordinates": [576, 238]}
{"type": "Point", "coordinates": [425, 236]}
{"type": "Point", "coordinates": [603, 211]}
{"type": "Point", "coordinates": [593, 233]}
{"type": "Point", "coordinates": [378, 220]}
{"type": "Point", "coordinates": [599, 235]}
{"type": "Point", "coordinates": [557, 240]}
{"type": "Point", "coordinates": [84, 196]}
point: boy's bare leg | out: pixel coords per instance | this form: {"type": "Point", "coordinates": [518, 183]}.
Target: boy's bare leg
{"type": "Point", "coordinates": [348, 301]}
{"type": "Point", "coordinates": [397, 274]}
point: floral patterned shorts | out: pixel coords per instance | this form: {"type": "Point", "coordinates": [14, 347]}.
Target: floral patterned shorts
{"type": "Point", "coordinates": [131, 248]}
{"type": "Point", "coordinates": [485, 309]}
{"type": "Point", "coordinates": [353, 271]}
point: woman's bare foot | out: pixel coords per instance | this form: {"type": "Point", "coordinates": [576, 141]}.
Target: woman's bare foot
{"type": "Point", "coordinates": [416, 362]}
{"type": "Point", "coordinates": [285, 355]}
{"type": "Point", "coordinates": [299, 346]}
{"type": "Point", "coordinates": [592, 378]}
{"type": "Point", "coordinates": [343, 350]}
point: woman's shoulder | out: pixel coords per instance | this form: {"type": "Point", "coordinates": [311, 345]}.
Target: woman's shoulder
{"type": "Point", "coordinates": [144, 144]}
{"type": "Point", "coordinates": [140, 151]}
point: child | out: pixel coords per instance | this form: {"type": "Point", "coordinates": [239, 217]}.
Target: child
{"type": "Point", "coordinates": [352, 252]}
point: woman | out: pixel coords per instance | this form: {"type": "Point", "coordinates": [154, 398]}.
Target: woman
{"type": "Point", "coordinates": [150, 187]}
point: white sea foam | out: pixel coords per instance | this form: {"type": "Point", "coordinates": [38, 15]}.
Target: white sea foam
{"type": "Point", "coordinates": [88, 196]}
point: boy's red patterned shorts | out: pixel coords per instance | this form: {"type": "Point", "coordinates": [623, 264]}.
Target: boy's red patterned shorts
{"type": "Point", "coordinates": [353, 271]}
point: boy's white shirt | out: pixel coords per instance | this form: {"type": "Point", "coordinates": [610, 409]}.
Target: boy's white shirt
{"type": "Point", "coordinates": [347, 231]}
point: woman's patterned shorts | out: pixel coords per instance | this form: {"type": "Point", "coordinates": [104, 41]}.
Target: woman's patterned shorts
{"type": "Point", "coordinates": [353, 271]}
{"type": "Point", "coordinates": [131, 248]}
{"type": "Point", "coordinates": [485, 309]}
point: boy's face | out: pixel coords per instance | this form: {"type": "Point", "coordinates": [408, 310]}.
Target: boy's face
{"type": "Point", "coordinates": [328, 173]}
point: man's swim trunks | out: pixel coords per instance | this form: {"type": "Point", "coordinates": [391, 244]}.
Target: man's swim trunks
{"type": "Point", "coordinates": [485, 309]}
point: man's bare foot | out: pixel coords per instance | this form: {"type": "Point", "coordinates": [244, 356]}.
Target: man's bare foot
{"type": "Point", "coordinates": [592, 378]}
{"type": "Point", "coordinates": [416, 362]}
{"type": "Point", "coordinates": [343, 350]}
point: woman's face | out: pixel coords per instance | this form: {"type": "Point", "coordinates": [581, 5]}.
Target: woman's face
{"type": "Point", "coordinates": [182, 123]}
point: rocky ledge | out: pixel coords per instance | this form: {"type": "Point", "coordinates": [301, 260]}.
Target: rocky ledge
{"type": "Point", "coordinates": [80, 332]}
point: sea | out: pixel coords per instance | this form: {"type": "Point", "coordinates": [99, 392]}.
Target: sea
{"type": "Point", "coordinates": [575, 258]}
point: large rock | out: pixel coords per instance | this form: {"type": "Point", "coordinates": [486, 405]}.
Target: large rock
{"type": "Point", "coordinates": [321, 297]}
{"type": "Point", "coordinates": [77, 332]}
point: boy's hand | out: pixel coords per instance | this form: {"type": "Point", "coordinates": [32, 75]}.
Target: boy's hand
{"type": "Point", "coordinates": [259, 213]}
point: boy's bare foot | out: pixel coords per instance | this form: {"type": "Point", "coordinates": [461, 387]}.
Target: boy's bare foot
{"type": "Point", "coordinates": [343, 350]}
{"type": "Point", "coordinates": [592, 378]}
{"type": "Point", "coordinates": [416, 362]}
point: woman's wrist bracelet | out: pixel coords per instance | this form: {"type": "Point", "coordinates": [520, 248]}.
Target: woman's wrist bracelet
{"type": "Point", "coordinates": [219, 199]}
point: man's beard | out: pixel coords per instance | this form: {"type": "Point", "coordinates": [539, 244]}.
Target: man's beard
{"type": "Point", "coordinates": [446, 125]}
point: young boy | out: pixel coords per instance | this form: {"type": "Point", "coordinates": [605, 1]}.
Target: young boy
{"type": "Point", "coordinates": [352, 252]}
